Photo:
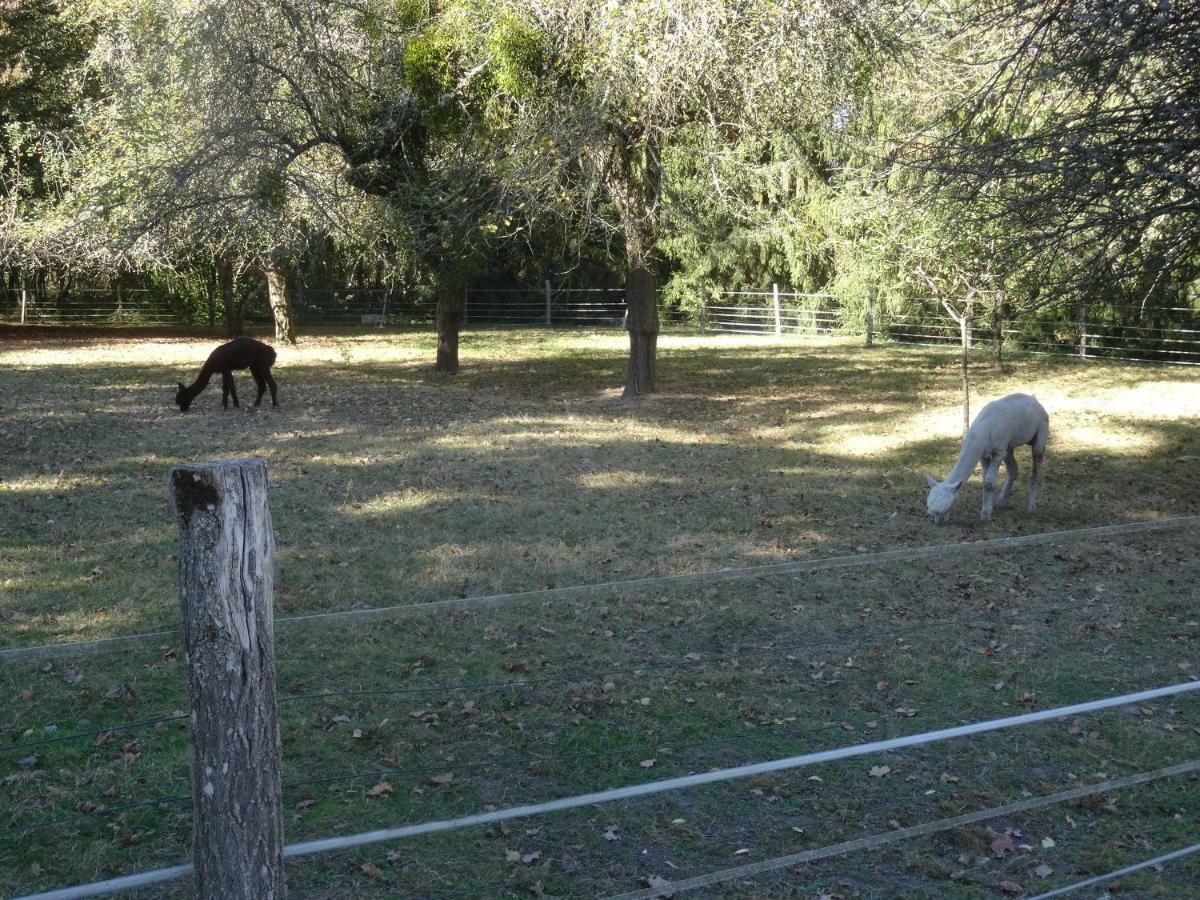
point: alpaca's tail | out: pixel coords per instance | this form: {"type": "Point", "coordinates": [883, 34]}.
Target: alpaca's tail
{"type": "Point", "coordinates": [270, 356]}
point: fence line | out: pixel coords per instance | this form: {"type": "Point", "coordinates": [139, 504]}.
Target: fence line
{"type": "Point", "coordinates": [489, 601]}
{"type": "Point", "coordinates": [1119, 873]}
{"type": "Point", "coordinates": [308, 848]}
{"type": "Point", "coordinates": [891, 837]}
{"type": "Point", "coordinates": [672, 664]}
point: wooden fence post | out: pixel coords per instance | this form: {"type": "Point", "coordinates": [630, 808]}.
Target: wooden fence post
{"type": "Point", "coordinates": [1083, 335]}
{"type": "Point", "coordinates": [778, 314]}
{"type": "Point", "coordinates": [226, 560]}
{"type": "Point", "coordinates": [547, 286]}
{"type": "Point", "coordinates": [871, 316]}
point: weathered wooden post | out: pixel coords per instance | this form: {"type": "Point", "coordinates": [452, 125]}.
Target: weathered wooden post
{"type": "Point", "coordinates": [871, 315]}
{"type": "Point", "coordinates": [226, 560]}
{"type": "Point", "coordinates": [778, 312]}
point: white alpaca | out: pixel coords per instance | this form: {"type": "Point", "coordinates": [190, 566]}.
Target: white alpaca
{"type": "Point", "coordinates": [1000, 427]}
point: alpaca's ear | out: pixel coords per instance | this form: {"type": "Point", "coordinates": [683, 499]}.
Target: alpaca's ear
{"type": "Point", "coordinates": [181, 387]}
{"type": "Point", "coordinates": [930, 480]}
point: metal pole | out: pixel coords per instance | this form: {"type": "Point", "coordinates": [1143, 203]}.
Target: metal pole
{"type": "Point", "coordinates": [546, 283]}
{"type": "Point", "coordinates": [387, 295]}
{"type": "Point", "coordinates": [778, 316]}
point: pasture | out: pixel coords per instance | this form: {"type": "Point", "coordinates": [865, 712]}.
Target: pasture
{"type": "Point", "coordinates": [526, 472]}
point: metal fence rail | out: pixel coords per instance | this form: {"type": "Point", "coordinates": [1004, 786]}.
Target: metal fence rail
{"type": "Point", "coordinates": [644, 789]}
{"type": "Point", "coordinates": [1125, 332]}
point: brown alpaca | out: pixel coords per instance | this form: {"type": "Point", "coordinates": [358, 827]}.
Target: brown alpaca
{"type": "Point", "coordinates": [240, 353]}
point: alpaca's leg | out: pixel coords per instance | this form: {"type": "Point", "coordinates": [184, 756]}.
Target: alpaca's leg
{"type": "Point", "coordinates": [271, 385]}
{"type": "Point", "coordinates": [260, 383]}
{"type": "Point", "coordinates": [227, 383]}
{"type": "Point", "coordinates": [1033, 477]}
{"type": "Point", "coordinates": [1039, 452]}
{"type": "Point", "coordinates": [1010, 477]}
{"type": "Point", "coordinates": [991, 468]}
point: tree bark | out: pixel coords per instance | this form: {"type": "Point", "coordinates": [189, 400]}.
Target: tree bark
{"type": "Point", "coordinates": [210, 294]}
{"type": "Point", "coordinates": [235, 310]}
{"type": "Point", "coordinates": [642, 322]}
{"type": "Point", "coordinates": [225, 565]}
{"type": "Point", "coordinates": [634, 182]}
{"type": "Point", "coordinates": [998, 331]}
{"type": "Point", "coordinates": [450, 308]}
{"type": "Point", "coordinates": [279, 296]}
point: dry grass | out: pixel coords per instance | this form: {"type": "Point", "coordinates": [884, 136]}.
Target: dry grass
{"type": "Point", "coordinates": [393, 485]}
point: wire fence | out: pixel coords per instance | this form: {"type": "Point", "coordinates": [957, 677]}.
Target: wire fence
{"type": "Point", "coordinates": [698, 769]}
{"type": "Point", "coordinates": [1113, 331]}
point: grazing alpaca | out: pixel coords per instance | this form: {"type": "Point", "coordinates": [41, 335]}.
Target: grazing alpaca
{"type": "Point", "coordinates": [1000, 427]}
{"type": "Point", "coordinates": [240, 353]}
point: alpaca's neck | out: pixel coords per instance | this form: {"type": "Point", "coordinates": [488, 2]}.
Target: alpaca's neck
{"type": "Point", "coordinates": [201, 381]}
{"type": "Point", "coordinates": [968, 458]}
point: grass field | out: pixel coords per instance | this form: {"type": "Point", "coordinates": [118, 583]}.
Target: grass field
{"type": "Point", "coordinates": [391, 485]}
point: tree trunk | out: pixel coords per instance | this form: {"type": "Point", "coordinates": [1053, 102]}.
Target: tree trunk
{"type": "Point", "coordinates": [634, 181]}
{"type": "Point", "coordinates": [642, 322]}
{"type": "Point", "coordinates": [280, 299]}
{"type": "Point", "coordinates": [449, 323]}
{"type": "Point", "coordinates": [210, 294]}
{"type": "Point", "coordinates": [998, 331]}
{"type": "Point", "coordinates": [235, 310]}
{"type": "Point", "coordinates": [225, 565]}
{"type": "Point", "coordinates": [964, 325]}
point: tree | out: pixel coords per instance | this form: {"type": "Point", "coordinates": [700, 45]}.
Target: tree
{"type": "Point", "coordinates": [1083, 136]}
{"type": "Point", "coordinates": [43, 81]}
{"type": "Point", "coordinates": [611, 90]}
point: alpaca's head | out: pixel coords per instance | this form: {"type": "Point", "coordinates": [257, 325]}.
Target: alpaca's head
{"type": "Point", "coordinates": [942, 495]}
{"type": "Point", "coordinates": [183, 398]}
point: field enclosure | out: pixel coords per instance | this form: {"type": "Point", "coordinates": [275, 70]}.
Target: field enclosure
{"type": "Point", "coordinates": [392, 486]}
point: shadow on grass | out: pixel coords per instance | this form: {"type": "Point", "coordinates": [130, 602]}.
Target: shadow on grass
{"type": "Point", "coordinates": [392, 484]}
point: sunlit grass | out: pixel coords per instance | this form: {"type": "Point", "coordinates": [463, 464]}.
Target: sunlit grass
{"type": "Point", "coordinates": [394, 485]}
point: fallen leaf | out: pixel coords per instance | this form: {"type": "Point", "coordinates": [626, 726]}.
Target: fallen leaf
{"type": "Point", "coordinates": [444, 778]}
{"type": "Point", "coordinates": [1002, 846]}
{"type": "Point", "coordinates": [879, 771]}
{"type": "Point", "coordinates": [1011, 887]}
{"type": "Point", "coordinates": [531, 857]}
{"type": "Point", "coordinates": [610, 834]}
{"type": "Point", "coordinates": [370, 869]}
{"type": "Point", "coordinates": [1043, 871]}
{"type": "Point", "coordinates": [306, 803]}
{"type": "Point", "coordinates": [380, 789]}
{"type": "Point", "coordinates": [1047, 842]}
{"type": "Point", "coordinates": [647, 763]}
